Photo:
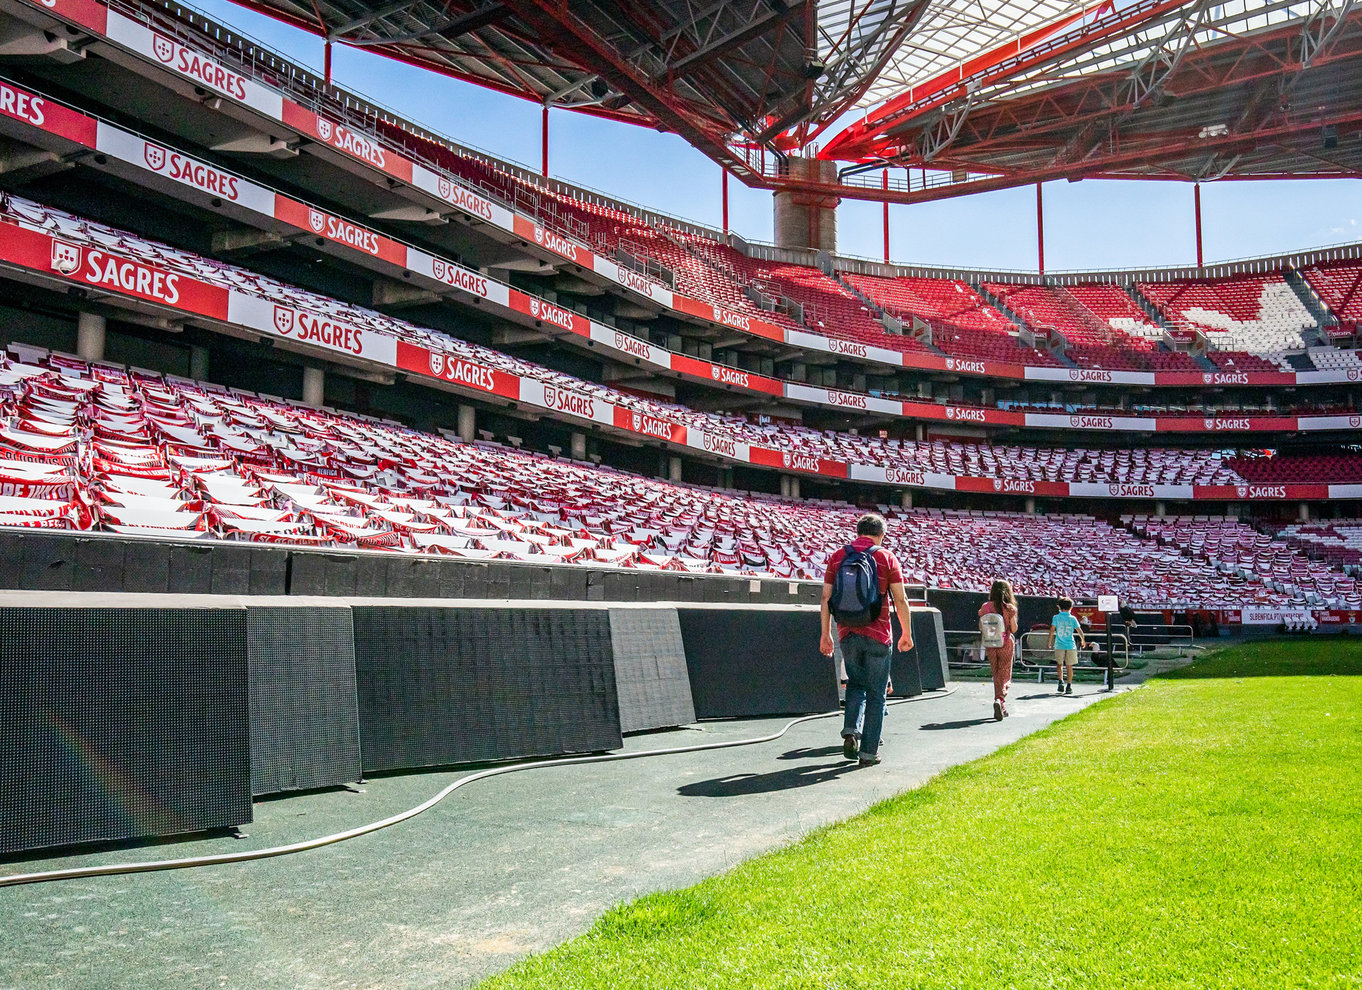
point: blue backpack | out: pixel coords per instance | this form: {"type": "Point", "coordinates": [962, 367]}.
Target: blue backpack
{"type": "Point", "coordinates": [856, 599]}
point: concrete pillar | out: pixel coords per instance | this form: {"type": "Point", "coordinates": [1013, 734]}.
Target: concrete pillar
{"type": "Point", "coordinates": [674, 469]}
{"type": "Point", "coordinates": [579, 446]}
{"type": "Point", "coordinates": [314, 386]}
{"type": "Point", "coordinates": [1303, 512]}
{"type": "Point", "coordinates": [1160, 510]}
{"type": "Point", "coordinates": [725, 477]}
{"type": "Point", "coordinates": [919, 432]}
{"type": "Point", "coordinates": [1030, 505]}
{"type": "Point", "coordinates": [794, 487]}
{"type": "Point", "coordinates": [90, 337]}
{"type": "Point", "coordinates": [468, 424]}
{"type": "Point", "coordinates": [198, 363]}
{"type": "Point", "coordinates": [906, 500]}
{"type": "Point", "coordinates": [808, 219]}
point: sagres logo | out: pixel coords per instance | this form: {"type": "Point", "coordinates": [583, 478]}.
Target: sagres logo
{"type": "Point", "coordinates": [785, 458]}
{"type": "Point", "coordinates": [534, 307]}
{"type": "Point", "coordinates": [950, 364]}
{"type": "Point", "coordinates": [283, 319]}
{"type": "Point", "coordinates": [438, 268]}
{"type": "Point", "coordinates": [1208, 423]}
{"type": "Point", "coordinates": [997, 484]}
{"type": "Point", "coordinates": [1241, 491]}
{"type": "Point", "coordinates": [720, 445]}
{"type": "Point", "coordinates": [1089, 375]}
{"type": "Point", "coordinates": [163, 48]}
{"type": "Point", "coordinates": [950, 412]}
{"type": "Point", "coordinates": [632, 345]}
{"type": "Point", "coordinates": [444, 187]}
{"type": "Point", "coordinates": [1355, 421]}
{"type": "Point", "coordinates": [573, 403]}
{"type": "Point", "coordinates": [437, 363]}
{"type": "Point", "coordinates": [315, 220]}
{"type": "Point", "coordinates": [637, 421]}
{"type": "Point", "coordinates": [539, 235]}
{"type": "Point", "coordinates": [1091, 422]}
{"type": "Point", "coordinates": [324, 129]}
{"type": "Point", "coordinates": [1113, 489]}
{"type": "Point", "coordinates": [1207, 379]}
{"type": "Point", "coordinates": [155, 155]}
{"type": "Point", "coordinates": [1354, 374]}
{"type": "Point", "coordinates": [66, 257]}
{"type": "Point", "coordinates": [904, 476]}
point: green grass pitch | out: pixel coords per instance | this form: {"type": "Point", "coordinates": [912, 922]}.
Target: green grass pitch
{"type": "Point", "coordinates": [1203, 831]}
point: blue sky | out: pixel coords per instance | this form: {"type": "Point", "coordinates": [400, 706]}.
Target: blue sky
{"type": "Point", "coordinates": [1088, 225]}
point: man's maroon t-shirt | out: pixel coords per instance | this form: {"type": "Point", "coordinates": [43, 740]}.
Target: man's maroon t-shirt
{"type": "Point", "coordinates": [890, 573]}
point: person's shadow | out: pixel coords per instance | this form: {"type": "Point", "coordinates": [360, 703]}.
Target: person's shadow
{"type": "Point", "coordinates": [742, 784]}
{"type": "Point", "coordinates": [810, 754]}
{"type": "Point", "coordinates": [963, 723]}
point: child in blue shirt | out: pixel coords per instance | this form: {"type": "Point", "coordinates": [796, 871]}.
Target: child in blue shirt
{"type": "Point", "coordinates": [1063, 628]}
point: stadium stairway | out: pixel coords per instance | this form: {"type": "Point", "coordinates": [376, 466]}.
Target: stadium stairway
{"type": "Point", "coordinates": [1311, 300]}
{"type": "Point", "coordinates": [1152, 310]}
{"type": "Point", "coordinates": [977, 284]}
{"type": "Point", "coordinates": [877, 311]}
{"type": "Point", "coordinates": [1145, 303]}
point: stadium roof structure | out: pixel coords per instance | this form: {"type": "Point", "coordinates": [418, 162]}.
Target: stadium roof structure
{"type": "Point", "coordinates": [970, 95]}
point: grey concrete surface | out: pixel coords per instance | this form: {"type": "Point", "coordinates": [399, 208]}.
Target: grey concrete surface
{"type": "Point", "coordinates": [508, 866]}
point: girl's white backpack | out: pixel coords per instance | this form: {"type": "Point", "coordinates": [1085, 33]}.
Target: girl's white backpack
{"type": "Point", "coordinates": [995, 633]}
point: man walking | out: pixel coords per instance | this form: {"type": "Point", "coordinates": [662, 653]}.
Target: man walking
{"type": "Point", "coordinates": [859, 579]}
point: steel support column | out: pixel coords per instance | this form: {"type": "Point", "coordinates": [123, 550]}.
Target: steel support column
{"type": "Point", "coordinates": [544, 143]}
{"type": "Point", "coordinates": [1196, 203]}
{"type": "Point", "coordinates": [1040, 230]}
{"type": "Point", "coordinates": [884, 184]}
{"type": "Point", "coordinates": [724, 171]}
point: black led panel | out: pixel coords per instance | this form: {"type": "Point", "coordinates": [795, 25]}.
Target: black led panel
{"type": "Point", "coordinates": [121, 723]}
{"type": "Point", "coordinates": [752, 661]}
{"type": "Point", "coordinates": [304, 720]}
{"type": "Point", "coordinates": [459, 685]}
{"type": "Point", "coordinates": [929, 648]}
{"type": "Point", "coordinates": [650, 669]}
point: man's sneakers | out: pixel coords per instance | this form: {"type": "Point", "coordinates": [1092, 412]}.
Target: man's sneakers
{"type": "Point", "coordinates": [997, 710]}
{"type": "Point", "coordinates": [850, 748]}
{"type": "Point", "coordinates": [870, 761]}
{"type": "Point", "coordinates": [1061, 688]}
{"type": "Point", "coordinates": [1069, 688]}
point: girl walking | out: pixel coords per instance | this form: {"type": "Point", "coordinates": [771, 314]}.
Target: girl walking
{"type": "Point", "coordinates": [998, 626]}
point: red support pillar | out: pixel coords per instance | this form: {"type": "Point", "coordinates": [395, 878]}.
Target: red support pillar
{"type": "Point", "coordinates": [544, 143]}
{"type": "Point", "coordinates": [326, 58]}
{"type": "Point", "coordinates": [1196, 201]}
{"type": "Point", "coordinates": [884, 184]}
{"type": "Point", "coordinates": [725, 189]}
{"type": "Point", "coordinates": [1040, 230]}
